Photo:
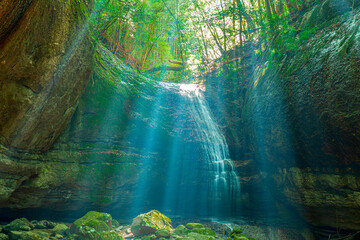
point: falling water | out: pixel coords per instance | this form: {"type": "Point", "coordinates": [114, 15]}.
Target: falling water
{"type": "Point", "coordinates": [224, 186]}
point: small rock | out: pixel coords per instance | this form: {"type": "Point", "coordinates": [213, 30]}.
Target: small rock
{"type": "Point", "coordinates": [60, 229]}
{"type": "Point", "coordinates": [39, 224]}
{"type": "Point", "coordinates": [181, 230]}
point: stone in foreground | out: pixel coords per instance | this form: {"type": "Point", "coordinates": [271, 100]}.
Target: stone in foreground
{"type": "Point", "coordinates": [149, 223]}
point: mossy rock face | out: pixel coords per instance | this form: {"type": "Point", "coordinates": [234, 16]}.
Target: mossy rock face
{"type": "Point", "coordinates": [20, 224]}
{"type": "Point", "coordinates": [194, 225]}
{"type": "Point", "coordinates": [149, 223]}
{"type": "Point", "coordinates": [163, 233]}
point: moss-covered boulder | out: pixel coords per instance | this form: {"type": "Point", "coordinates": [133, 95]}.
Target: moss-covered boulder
{"type": "Point", "coordinates": [92, 225]}
{"type": "Point", "coordinates": [20, 224]}
{"type": "Point", "coordinates": [97, 220]}
{"type": "Point", "coordinates": [181, 230]}
{"type": "Point", "coordinates": [194, 225]}
{"type": "Point", "coordinates": [61, 229]}
{"type": "Point", "coordinates": [43, 224]}
{"type": "Point", "coordinates": [149, 223]}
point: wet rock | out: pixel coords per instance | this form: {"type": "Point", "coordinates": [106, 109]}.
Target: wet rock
{"type": "Point", "coordinates": [45, 75]}
{"type": "Point", "coordinates": [93, 220]}
{"type": "Point", "coordinates": [194, 225]}
{"type": "Point", "coordinates": [20, 224]}
{"type": "Point", "coordinates": [149, 223]}
{"type": "Point", "coordinates": [162, 233]}
{"type": "Point", "coordinates": [43, 224]}
{"type": "Point", "coordinates": [61, 229]}
{"type": "Point", "coordinates": [181, 230]}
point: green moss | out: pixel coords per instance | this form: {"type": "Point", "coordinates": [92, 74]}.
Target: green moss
{"type": "Point", "coordinates": [162, 233]}
{"type": "Point", "coordinates": [96, 220]}
{"type": "Point", "coordinates": [149, 237]}
{"type": "Point", "coordinates": [149, 223]}
{"type": "Point", "coordinates": [194, 225]}
{"type": "Point", "coordinates": [110, 236]}
{"type": "Point", "coordinates": [204, 231]}
{"type": "Point", "coordinates": [181, 230]}
{"type": "Point", "coordinates": [198, 236]}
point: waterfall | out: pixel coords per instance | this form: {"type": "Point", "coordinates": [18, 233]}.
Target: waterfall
{"type": "Point", "coordinates": [223, 183]}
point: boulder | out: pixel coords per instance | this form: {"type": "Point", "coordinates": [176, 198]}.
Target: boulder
{"type": "Point", "coordinates": [149, 223]}
{"type": "Point", "coordinates": [20, 224]}
{"type": "Point", "coordinates": [60, 229]}
{"type": "Point", "coordinates": [181, 230]}
{"type": "Point", "coordinates": [194, 225]}
{"type": "Point", "coordinates": [96, 220]}
{"type": "Point", "coordinates": [94, 225]}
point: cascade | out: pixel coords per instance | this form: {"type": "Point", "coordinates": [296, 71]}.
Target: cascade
{"type": "Point", "coordinates": [223, 182]}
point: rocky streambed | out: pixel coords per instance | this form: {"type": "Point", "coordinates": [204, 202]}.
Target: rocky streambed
{"type": "Point", "coordinates": [97, 225]}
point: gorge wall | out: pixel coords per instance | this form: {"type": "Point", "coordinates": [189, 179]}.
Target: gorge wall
{"type": "Point", "coordinates": [292, 129]}
{"type": "Point", "coordinates": [294, 125]}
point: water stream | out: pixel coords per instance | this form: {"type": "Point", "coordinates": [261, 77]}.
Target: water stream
{"type": "Point", "coordinates": [223, 183]}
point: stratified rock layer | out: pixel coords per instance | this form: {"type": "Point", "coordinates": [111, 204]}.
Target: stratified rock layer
{"type": "Point", "coordinates": [45, 64]}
